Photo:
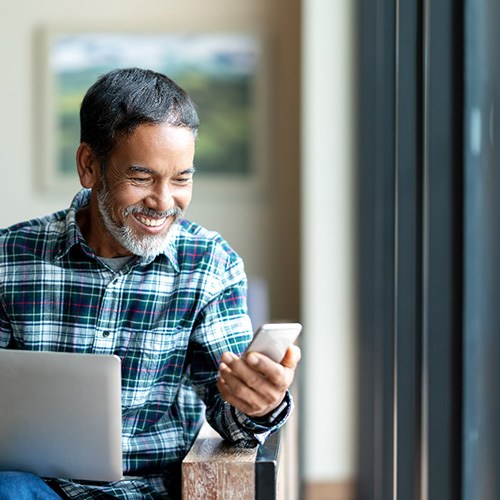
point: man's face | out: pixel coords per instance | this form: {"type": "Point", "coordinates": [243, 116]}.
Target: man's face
{"type": "Point", "coordinates": [146, 186]}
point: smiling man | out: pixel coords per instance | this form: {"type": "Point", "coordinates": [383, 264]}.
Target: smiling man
{"type": "Point", "coordinates": [122, 272]}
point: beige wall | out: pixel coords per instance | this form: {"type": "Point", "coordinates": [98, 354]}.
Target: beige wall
{"type": "Point", "coordinates": [327, 256]}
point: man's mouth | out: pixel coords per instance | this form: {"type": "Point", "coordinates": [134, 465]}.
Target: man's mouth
{"type": "Point", "coordinates": [153, 218]}
{"type": "Point", "coordinates": [150, 222]}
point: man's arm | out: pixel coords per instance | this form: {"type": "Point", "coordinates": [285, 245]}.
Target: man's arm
{"type": "Point", "coordinates": [224, 329]}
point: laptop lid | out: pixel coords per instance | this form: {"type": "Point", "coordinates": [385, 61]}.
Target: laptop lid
{"type": "Point", "coordinates": [60, 414]}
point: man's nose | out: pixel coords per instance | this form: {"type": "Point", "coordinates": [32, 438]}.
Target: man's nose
{"type": "Point", "coordinates": [161, 197]}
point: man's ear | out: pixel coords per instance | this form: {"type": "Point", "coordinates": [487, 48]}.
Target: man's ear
{"type": "Point", "coordinates": [87, 166]}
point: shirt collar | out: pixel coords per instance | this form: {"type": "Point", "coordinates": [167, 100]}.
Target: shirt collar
{"type": "Point", "coordinates": [73, 235]}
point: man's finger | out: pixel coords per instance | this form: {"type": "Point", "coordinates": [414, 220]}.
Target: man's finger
{"type": "Point", "coordinates": [292, 357]}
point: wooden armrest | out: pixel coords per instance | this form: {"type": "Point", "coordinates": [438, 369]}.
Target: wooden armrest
{"type": "Point", "coordinates": [214, 469]}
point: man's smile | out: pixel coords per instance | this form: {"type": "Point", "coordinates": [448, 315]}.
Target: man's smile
{"type": "Point", "coordinates": [149, 221]}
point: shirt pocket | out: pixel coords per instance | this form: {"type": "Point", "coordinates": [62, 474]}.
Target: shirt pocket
{"type": "Point", "coordinates": [152, 365]}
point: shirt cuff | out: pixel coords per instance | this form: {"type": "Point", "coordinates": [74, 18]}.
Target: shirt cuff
{"type": "Point", "coordinates": [267, 423]}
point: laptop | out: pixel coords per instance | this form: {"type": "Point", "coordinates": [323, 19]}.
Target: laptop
{"type": "Point", "coordinates": [60, 414]}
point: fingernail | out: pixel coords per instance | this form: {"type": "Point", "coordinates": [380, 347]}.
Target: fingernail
{"type": "Point", "coordinates": [228, 357]}
{"type": "Point", "coordinates": [253, 359]}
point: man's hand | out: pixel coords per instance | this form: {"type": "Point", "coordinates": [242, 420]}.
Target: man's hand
{"type": "Point", "coordinates": [256, 385]}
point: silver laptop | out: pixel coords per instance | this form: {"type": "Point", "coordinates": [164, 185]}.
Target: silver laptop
{"type": "Point", "coordinates": [60, 414]}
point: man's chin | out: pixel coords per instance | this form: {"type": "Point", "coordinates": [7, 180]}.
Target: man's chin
{"type": "Point", "coordinates": [147, 245]}
{"type": "Point", "coordinates": [145, 248]}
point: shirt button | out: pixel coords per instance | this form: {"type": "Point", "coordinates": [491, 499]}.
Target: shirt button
{"type": "Point", "coordinates": [105, 334]}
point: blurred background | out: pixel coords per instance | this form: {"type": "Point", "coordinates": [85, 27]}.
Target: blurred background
{"type": "Point", "coordinates": [289, 213]}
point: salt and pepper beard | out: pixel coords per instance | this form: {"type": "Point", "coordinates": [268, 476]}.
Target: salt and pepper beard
{"type": "Point", "coordinates": [148, 246]}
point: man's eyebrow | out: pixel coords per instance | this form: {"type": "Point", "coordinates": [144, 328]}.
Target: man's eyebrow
{"type": "Point", "coordinates": [141, 170]}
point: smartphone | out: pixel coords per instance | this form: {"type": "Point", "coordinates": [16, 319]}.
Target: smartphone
{"type": "Point", "coordinates": [273, 339]}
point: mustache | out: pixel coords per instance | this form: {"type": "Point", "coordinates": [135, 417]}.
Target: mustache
{"type": "Point", "coordinates": [151, 212]}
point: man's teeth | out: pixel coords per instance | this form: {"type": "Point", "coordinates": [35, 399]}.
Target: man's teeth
{"type": "Point", "coordinates": [151, 222]}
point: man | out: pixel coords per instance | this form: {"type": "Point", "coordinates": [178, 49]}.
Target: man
{"type": "Point", "coordinates": [122, 272]}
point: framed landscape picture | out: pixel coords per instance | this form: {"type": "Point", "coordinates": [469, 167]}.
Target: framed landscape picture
{"type": "Point", "coordinates": [220, 71]}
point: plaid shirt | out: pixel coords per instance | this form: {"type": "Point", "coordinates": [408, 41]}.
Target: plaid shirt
{"type": "Point", "coordinates": [169, 319]}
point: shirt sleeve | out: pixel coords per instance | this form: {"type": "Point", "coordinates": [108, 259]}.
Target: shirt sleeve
{"type": "Point", "coordinates": [224, 325]}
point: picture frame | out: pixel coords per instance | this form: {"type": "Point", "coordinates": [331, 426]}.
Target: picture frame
{"type": "Point", "coordinates": [225, 74]}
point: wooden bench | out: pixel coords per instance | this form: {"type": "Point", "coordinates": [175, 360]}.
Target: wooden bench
{"type": "Point", "coordinates": [214, 469]}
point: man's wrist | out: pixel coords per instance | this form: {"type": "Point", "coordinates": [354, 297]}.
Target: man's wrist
{"type": "Point", "coordinates": [272, 421]}
{"type": "Point", "coordinates": [273, 416]}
